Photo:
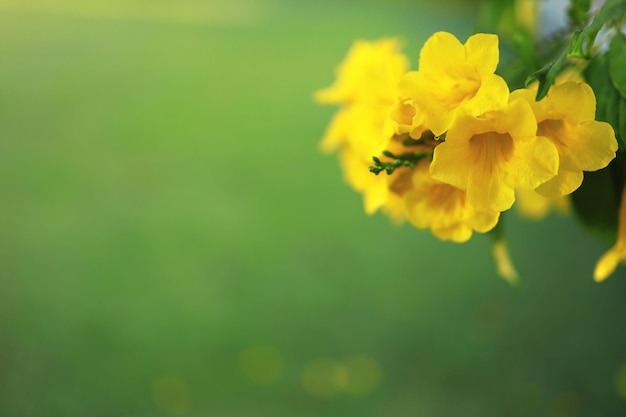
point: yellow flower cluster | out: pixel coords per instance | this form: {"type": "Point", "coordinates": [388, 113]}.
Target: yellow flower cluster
{"type": "Point", "coordinates": [457, 144]}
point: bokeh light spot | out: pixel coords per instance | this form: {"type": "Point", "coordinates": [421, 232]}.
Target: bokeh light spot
{"type": "Point", "coordinates": [566, 404]}
{"type": "Point", "coordinates": [171, 395]}
{"type": "Point", "coordinates": [525, 399]}
{"type": "Point", "coordinates": [620, 382]}
{"type": "Point", "coordinates": [261, 365]}
{"type": "Point", "coordinates": [324, 378]}
{"type": "Point", "coordinates": [363, 374]}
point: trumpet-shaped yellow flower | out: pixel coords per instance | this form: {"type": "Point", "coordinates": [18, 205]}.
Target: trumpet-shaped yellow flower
{"type": "Point", "coordinates": [407, 118]}
{"type": "Point", "coordinates": [535, 206]}
{"type": "Point", "coordinates": [370, 71]}
{"type": "Point", "coordinates": [444, 208]}
{"type": "Point", "coordinates": [379, 191]}
{"type": "Point", "coordinates": [364, 126]}
{"type": "Point", "coordinates": [366, 88]}
{"type": "Point", "coordinates": [453, 76]}
{"type": "Point", "coordinates": [566, 117]}
{"type": "Point", "coordinates": [617, 254]}
{"type": "Point", "coordinates": [491, 155]}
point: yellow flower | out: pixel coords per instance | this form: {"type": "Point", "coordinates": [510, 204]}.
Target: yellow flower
{"type": "Point", "coordinates": [406, 118]}
{"type": "Point", "coordinates": [379, 191]}
{"type": "Point", "coordinates": [452, 76]}
{"type": "Point", "coordinates": [491, 155]}
{"type": "Point", "coordinates": [366, 88]}
{"type": "Point", "coordinates": [566, 117]}
{"type": "Point", "coordinates": [617, 254]}
{"type": "Point", "coordinates": [370, 71]}
{"type": "Point", "coordinates": [364, 126]}
{"type": "Point", "coordinates": [444, 208]}
{"type": "Point", "coordinates": [535, 206]}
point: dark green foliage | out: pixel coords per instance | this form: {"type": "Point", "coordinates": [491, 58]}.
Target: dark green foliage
{"type": "Point", "coordinates": [578, 12]}
{"type": "Point", "coordinates": [617, 63]}
{"type": "Point", "coordinates": [579, 47]}
{"type": "Point", "coordinates": [597, 201]}
{"type": "Point", "coordinates": [610, 103]}
{"type": "Point", "coordinates": [549, 72]}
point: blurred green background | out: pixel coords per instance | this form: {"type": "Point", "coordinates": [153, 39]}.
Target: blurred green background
{"type": "Point", "coordinates": [172, 242]}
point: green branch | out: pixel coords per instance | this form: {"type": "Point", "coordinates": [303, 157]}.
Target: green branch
{"type": "Point", "coordinates": [409, 159]}
{"type": "Point", "coordinates": [579, 47]}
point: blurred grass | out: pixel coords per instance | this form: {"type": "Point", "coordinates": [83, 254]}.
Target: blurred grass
{"type": "Point", "coordinates": [166, 212]}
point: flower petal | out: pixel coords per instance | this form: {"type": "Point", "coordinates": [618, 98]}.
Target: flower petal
{"type": "Point", "coordinates": [337, 132]}
{"type": "Point", "coordinates": [566, 182]}
{"type": "Point", "coordinates": [485, 221]}
{"type": "Point", "coordinates": [493, 94]}
{"type": "Point", "coordinates": [504, 263]}
{"type": "Point", "coordinates": [442, 52]}
{"type": "Point", "coordinates": [447, 155]}
{"type": "Point", "coordinates": [375, 188]}
{"type": "Point", "coordinates": [536, 162]}
{"type": "Point", "coordinates": [535, 206]}
{"type": "Point", "coordinates": [370, 69]}
{"type": "Point", "coordinates": [481, 51]}
{"type": "Point", "coordinates": [589, 147]}
{"type": "Point", "coordinates": [459, 234]}
{"type": "Point", "coordinates": [572, 100]}
{"type": "Point", "coordinates": [489, 193]}
{"type": "Point", "coordinates": [607, 263]}
{"type": "Point", "coordinates": [518, 120]}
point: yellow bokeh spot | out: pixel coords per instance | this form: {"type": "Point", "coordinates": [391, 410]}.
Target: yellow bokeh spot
{"type": "Point", "coordinates": [171, 395]}
{"type": "Point", "coordinates": [566, 404]}
{"type": "Point", "coordinates": [620, 382]}
{"type": "Point", "coordinates": [535, 206]}
{"type": "Point", "coordinates": [261, 365]}
{"type": "Point", "coordinates": [363, 374]}
{"type": "Point", "coordinates": [323, 378]}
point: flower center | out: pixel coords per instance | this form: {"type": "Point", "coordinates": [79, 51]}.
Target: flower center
{"type": "Point", "coordinates": [457, 91]}
{"type": "Point", "coordinates": [447, 197]}
{"type": "Point", "coordinates": [553, 130]}
{"type": "Point", "coordinates": [491, 149]}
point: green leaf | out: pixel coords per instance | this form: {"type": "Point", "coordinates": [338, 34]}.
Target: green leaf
{"type": "Point", "coordinates": [613, 11]}
{"type": "Point", "coordinates": [610, 104]}
{"type": "Point", "coordinates": [596, 202]}
{"type": "Point", "coordinates": [617, 63]}
{"type": "Point", "coordinates": [620, 128]}
{"type": "Point", "coordinates": [548, 73]}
